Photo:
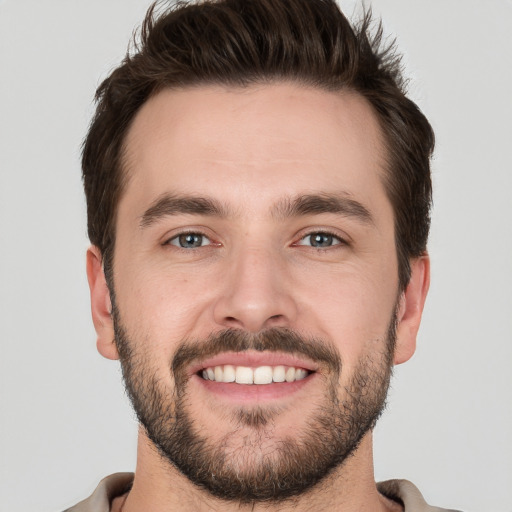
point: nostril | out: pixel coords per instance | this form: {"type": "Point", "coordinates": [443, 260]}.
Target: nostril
{"type": "Point", "coordinates": [275, 321]}
{"type": "Point", "coordinates": [232, 322]}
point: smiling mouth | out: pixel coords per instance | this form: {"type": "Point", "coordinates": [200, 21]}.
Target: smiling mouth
{"type": "Point", "coordinates": [248, 375]}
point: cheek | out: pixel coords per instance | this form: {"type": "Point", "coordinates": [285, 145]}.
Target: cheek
{"type": "Point", "coordinates": [353, 308]}
{"type": "Point", "coordinates": [164, 306]}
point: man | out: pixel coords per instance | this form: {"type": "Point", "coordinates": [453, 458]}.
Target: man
{"type": "Point", "coordinates": [258, 193]}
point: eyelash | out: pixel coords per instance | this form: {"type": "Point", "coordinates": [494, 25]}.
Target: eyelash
{"type": "Point", "coordinates": [187, 233]}
{"type": "Point", "coordinates": [340, 241]}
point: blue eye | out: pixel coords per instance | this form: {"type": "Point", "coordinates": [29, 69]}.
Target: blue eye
{"type": "Point", "coordinates": [190, 240]}
{"type": "Point", "coordinates": [320, 240]}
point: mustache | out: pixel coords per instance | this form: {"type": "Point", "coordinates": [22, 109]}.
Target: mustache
{"type": "Point", "coordinates": [271, 340]}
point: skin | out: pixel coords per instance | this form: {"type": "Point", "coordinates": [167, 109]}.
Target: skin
{"type": "Point", "coordinates": [250, 149]}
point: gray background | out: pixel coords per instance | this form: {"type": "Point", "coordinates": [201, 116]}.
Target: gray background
{"type": "Point", "coordinates": [65, 421]}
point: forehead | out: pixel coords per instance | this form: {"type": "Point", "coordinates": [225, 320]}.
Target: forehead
{"type": "Point", "coordinates": [257, 143]}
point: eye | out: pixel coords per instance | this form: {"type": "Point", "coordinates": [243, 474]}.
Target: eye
{"type": "Point", "coordinates": [320, 240]}
{"type": "Point", "coordinates": [190, 240]}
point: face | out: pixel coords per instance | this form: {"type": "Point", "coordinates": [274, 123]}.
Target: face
{"type": "Point", "coordinates": [256, 284]}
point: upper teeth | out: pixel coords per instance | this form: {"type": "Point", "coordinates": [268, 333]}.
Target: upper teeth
{"type": "Point", "coordinates": [259, 375]}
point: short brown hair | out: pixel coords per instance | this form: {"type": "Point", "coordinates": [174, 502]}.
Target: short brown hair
{"type": "Point", "coordinates": [244, 42]}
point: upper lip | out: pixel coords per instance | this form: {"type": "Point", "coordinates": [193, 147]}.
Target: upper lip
{"type": "Point", "coordinates": [254, 359]}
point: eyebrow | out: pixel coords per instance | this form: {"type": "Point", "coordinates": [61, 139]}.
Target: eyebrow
{"type": "Point", "coordinates": [170, 204]}
{"type": "Point", "coordinates": [308, 204]}
{"type": "Point", "coordinates": [315, 204]}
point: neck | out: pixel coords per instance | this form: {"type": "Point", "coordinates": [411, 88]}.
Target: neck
{"type": "Point", "coordinates": [160, 487]}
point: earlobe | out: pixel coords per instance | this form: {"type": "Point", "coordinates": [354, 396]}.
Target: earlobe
{"type": "Point", "coordinates": [101, 306]}
{"type": "Point", "coordinates": [410, 309]}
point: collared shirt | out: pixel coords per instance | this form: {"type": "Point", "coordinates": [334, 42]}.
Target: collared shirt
{"type": "Point", "coordinates": [401, 491]}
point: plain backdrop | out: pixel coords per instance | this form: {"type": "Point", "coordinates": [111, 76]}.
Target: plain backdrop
{"type": "Point", "coordinates": [65, 421]}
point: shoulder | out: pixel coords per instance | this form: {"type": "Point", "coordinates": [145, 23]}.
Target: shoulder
{"type": "Point", "coordinates": [408, 495]}
{"type": "Point", "coordinates": [108, 489]}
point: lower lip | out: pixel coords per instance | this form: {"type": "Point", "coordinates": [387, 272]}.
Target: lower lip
{"type": "Point", "coordinates": [245, 393]}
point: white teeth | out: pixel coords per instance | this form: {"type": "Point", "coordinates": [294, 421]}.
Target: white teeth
{"type": "Point", "coordinates": [279, 374]}
{"type": "Point", "coordinates": [300, 374]}
{"type": "Point", "coordinates": [263, 375]}
{"type": "Point", "coordinates": [259, 375]}
{"type": "Point", "coordinates": [244, 375]}
{"type": "Point", "coordinates": [229, 373]}
{"type": "Point", "coordinates": [219, 374]}
{"type": "Point", "coordinates": [289, 376]}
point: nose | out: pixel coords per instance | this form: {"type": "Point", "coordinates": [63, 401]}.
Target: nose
{"type": "Point", "coordinates": [256, 293]}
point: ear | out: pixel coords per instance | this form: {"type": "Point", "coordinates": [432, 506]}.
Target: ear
{"type": "Point", "coordinates": [410, 309]}
{"type": "Point", "coordinates": [101, 306]}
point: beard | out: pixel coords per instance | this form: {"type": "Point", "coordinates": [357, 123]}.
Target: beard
{"type": "Point", "coordinates": [249, 463]}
